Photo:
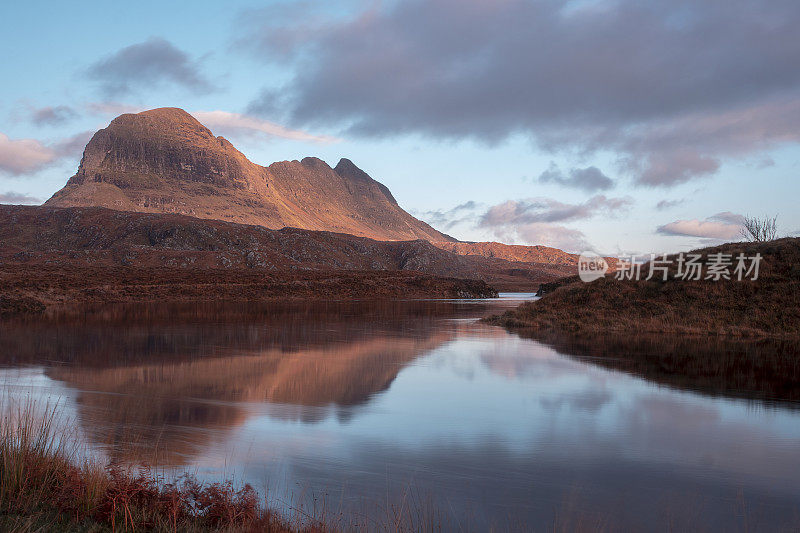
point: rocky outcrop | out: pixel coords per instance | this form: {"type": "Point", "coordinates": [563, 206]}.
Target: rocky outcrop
{"type": "Point", "coordinates": [165, 161]}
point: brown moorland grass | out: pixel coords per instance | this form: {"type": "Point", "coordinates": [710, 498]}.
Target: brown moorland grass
{"type": "Point", "coordinates": [46, 486]}
{"type": "Point", "coordinates": [766, 307]}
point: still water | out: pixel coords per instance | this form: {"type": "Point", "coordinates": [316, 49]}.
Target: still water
{"type": "Point", "coordinates": [377, 410]}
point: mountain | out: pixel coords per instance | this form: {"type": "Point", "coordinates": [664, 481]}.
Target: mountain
{"type": "Point", "coordinates": [165, 161]}
{"type": "Point", "coordinates": [53, 255]}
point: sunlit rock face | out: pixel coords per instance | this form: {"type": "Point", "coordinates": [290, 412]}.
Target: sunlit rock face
{"type": "Point", "coordinates": [165, 161]}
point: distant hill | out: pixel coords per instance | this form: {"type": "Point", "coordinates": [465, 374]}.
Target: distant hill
{"type": "Point", "coordinates": [60, 255]}
{"type": "Point", "coordinates": [512, 252]}
{"type": "Point", "coordinates": [165, 161]}
{"type": "Point", "coordinates": [768, 306]}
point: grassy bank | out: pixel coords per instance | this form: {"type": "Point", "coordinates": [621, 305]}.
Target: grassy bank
{"type": "Point", "coordinates": [766, 307]}
{"type": "Point", "coordinates": [45, 485]}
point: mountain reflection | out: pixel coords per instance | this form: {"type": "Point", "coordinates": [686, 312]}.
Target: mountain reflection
{"type": "Point", "coordinates": [166, 382]}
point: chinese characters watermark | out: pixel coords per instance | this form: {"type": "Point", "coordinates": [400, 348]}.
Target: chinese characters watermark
{"type": "Point", "coordinates": [686, 267]}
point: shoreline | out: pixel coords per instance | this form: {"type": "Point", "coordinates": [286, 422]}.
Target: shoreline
{"type": "Point", "coordinates": [768, 307]}
{"type": "Point", "coordinates": [36, 290]}
{"type": "Point", "coordinates": [46, 483]}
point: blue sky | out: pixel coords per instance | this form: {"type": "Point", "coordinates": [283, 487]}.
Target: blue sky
{"type": "Point", "coordinates": [530, 122]}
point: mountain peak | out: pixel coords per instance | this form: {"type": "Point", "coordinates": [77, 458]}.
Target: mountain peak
{"type": "Point", "coordinates": [349, 171]}
{"type": "Point", "coordinates": [169, 113]}
{"type": "Point", "coordinates": [165, 161]}
{"type": "Point", "coordinates": [164, 121]}
{"type": "Point", "coordinates": [347, 168]}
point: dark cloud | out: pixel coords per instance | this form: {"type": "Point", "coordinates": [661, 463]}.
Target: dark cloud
{"type": "Point", "coordinates": [724, 226]}
{"type": "Point", "coordinates": [663, 205]}
{"type": "Point", "coordinates": [52, 116]}
{"type": "Point", "coordinates": [154, 62]}
{"type": "Point", "coordinates": [588, 179]}
{"type": "Point", "coordinates": [11, 197]}
{"type": "Point", "coordinates": [671, 86]}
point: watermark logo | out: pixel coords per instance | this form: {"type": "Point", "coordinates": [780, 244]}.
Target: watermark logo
{"type": "Point", "coordinates": [591, 266]}
{"type": "Point", "coordinates": [685, 267]}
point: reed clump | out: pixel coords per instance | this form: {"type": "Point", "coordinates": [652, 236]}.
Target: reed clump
{"type": "Point", "coordinates": [47, 484]}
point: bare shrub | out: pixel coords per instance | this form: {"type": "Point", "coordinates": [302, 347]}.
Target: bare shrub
{"type": "Point", "coordinates": [760, 229]}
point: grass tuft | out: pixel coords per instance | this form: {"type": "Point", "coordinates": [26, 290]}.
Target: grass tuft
{"type": "Point", "coordinates": [46, 485]}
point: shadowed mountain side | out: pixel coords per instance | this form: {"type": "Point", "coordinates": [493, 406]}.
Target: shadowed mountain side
{"type": "Point", "coordinates": [165, 401]}
{"type": "Point", "coordinates": [165, 161]}
{"type": "Point", "coordinates": [79, 238]}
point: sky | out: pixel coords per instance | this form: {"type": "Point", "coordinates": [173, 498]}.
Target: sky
{"type": "Point", "coordinates": [618, 126]}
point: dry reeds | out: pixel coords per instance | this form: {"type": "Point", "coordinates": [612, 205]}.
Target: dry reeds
{"type": "Point", "coordinates": [46, 484]}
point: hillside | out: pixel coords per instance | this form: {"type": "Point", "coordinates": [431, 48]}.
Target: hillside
{"type": "Point", "coordinates": [512, 252]}
{"type": "Point", "coordinates": [59, 255]}
{"type": "Point", "coordinates": [116, 238]}
{"type": "Point", "coordinates": [768, 306]}
{"type": "Point", "coordinates": [165, 161]}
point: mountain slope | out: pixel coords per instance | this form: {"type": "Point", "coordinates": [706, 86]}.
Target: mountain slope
{"type": "Point", "coordinates": [93, 236]}
{"type": "Point", "coordinates": [165, 161]}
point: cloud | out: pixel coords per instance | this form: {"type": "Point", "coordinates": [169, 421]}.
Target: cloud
{"type": "Point", "coordinates": [23, 156]}
{"type": "Point", "coordinates": [673, 88]}
{"type": "Point", "coordinates": [11, 197]}
{"type": "Point", "coordinates": [530, 221]}
{"type": "Point", "coordinates": [728, 218]}
{"type": "Point", "coordinates": [447, 219]}
{"type": "Point", "coordinates": [588, 179]}
{"type": "Point", "coordinates": [72, 145]}
{"type": "Point", "coordinates": [722, 226]}
{"type": "Point", "coordinates": [152, 63]}
{"type": "Point", "coordinates": [663, 205]}
{"type": "Point", "coordinates": [540, 220]}
{"type": "Point", "coordinates": [236, 125]}
{"type": "Point", "coordinates": [553, 235]}
{"type": "Point", "coordinates": [26, 156]}
{"type": "Point", "coordinates": [536, 210]}
{"type": "Point", "coordinates": [52, 115]}
{"type": "Point", "coordinates": [112, 108]}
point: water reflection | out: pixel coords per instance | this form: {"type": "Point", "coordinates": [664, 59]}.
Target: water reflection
{"type": "Point", "coordinates": [147, 377]}
{"type": "Point", "coordinates": [369, 403]}
{"type": "Point", "coordinates": [765, 370]}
